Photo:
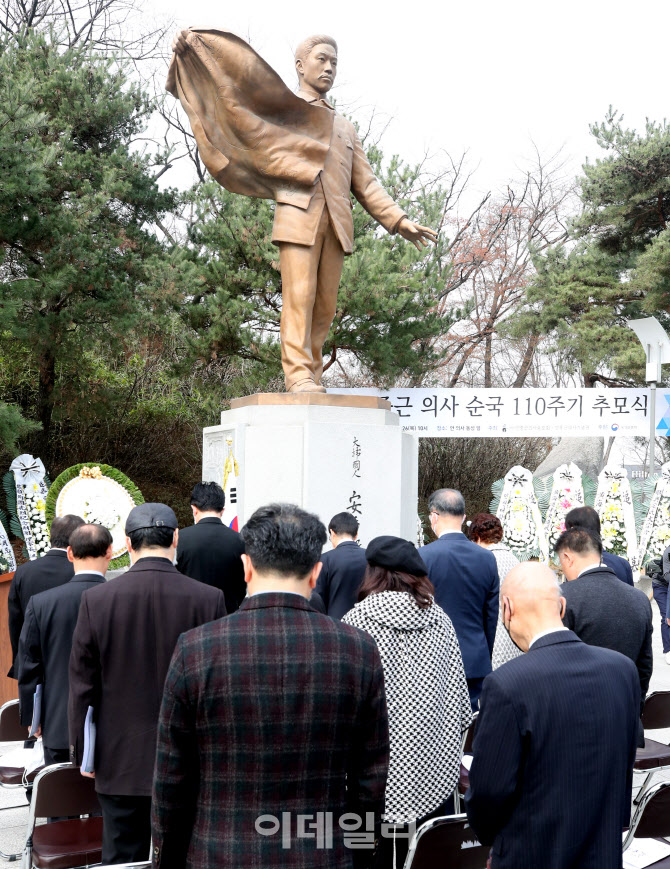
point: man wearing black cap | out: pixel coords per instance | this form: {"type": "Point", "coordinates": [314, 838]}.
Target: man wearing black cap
{"type": "Point", "coordinates": [125, 636]}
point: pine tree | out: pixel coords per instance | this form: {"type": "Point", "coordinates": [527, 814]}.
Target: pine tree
{"type": "Point", "coordinates": [617, 265]}
{"type": "Point", "coordinates": [13, 427]}
{"type": "Point", "coordinates": [76, 206]}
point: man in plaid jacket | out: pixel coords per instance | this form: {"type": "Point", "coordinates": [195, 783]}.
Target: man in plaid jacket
{"type": "Point", "coordinates": [273, 731]}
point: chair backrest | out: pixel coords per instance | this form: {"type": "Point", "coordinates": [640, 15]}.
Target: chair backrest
{"type": "Point", "coordinates": [652, 819]}
{"type": "Point", "coordinates": [11, 729]}
{"type": "Point", "coordinates": [448, 841]}
{"type": "Point", "coordinates": [62, 790]}
{"type": "Point", "coordinates": [656, 714]}
{"type": "Point", "coordinates": [470, 735]}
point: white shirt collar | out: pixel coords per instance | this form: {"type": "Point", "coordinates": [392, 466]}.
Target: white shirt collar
{"type": "Point", "coordinates": [58, 549]}
{"type": "Point", "coordinates": [546, 633]}
{"type": "Point", "coordinates": [590, 567]}
{"type": "Point", "coordinates": [451, 531]}
{"type": "Point", "coordinates": [274, 591]}
{"type": "Point", "coordinates": [94, 572]}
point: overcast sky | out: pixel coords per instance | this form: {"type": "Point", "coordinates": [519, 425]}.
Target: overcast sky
{"type": "Point", "coordinates": [489, 77]}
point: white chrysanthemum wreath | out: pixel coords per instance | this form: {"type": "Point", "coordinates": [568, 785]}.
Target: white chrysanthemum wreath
{"type": "Point", "coordinates": [100, 494]}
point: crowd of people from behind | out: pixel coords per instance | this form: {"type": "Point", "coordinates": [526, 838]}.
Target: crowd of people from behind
{"type": "Point", "coordinates": [261, 703]}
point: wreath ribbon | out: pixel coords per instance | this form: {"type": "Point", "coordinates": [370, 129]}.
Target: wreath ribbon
{"type": "Point", "coordinates": [606, 477]}
{"type": "Point", "coordinates": [519, 476]}
{"type": "Point", "coordinates": [6, 550]}
{"type": "Point", "coordinates": [27, 471]}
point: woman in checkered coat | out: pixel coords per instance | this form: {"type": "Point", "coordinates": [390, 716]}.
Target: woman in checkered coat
{"type": "Point", "coordinates": [486, 530]}
{"type": "Point", "coordinates": [426, 692]}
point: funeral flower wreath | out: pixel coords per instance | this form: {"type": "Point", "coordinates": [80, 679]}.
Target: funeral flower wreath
{"type": "Point", "coordinates": [100, 494]}
{"type": "Point", "coordinates": [36, 508]}
{"type": "Point", "coordinates": [655, 534]}
{"type": "Point", "coordinates": [515, 503]}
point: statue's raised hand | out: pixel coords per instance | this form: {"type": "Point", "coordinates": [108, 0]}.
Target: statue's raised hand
{"type": "Point", "coordinates": [418, 235]}
{"type": "Point", "coordinates": [179, 42]}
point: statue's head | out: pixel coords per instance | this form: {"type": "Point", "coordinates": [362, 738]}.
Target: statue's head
{"type": "Point", "coordinates": [316, 62]}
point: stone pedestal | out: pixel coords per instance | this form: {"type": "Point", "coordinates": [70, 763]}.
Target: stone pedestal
{"type": "Point", "coordinates": [326, 453]}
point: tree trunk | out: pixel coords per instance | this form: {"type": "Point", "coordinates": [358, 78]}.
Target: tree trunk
{"type": "Point", "coordinates": [527, 361]}
{"type": "Point", "coordinates": [461, 364]}
{"type": "Point", "coordinates": [488, 353]}
{"type": "Point", "coordinates": [47, 380]}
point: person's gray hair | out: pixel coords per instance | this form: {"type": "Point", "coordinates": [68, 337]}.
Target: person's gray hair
{"type": "Point", "coordinates": [447, 502]}
{"type": "Point", "coordinates": [308, 45]}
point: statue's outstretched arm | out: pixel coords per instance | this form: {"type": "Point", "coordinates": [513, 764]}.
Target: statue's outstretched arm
{"type": "Point", "coordinates": [377, 202]}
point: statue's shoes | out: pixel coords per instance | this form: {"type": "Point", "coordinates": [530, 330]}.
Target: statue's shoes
{"type": "Point", "coordinates": [306, 386]}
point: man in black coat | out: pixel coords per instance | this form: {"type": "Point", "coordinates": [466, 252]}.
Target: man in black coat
{"type": "Point", "coordinates": [587, 518]}
{"type": "Point", "coordinates": [46, 641]}
{"type": "Point", "coordinates": [121, 649]}
{"type": "Point", "coordinates": [465, 577]}
{"type": "Point", "coordinates": [600, 609]}
{"type": "Point", "coordinates": [343, 567]}
{"type": "Point", "coordinates": [554, 747]}
{"type": "Point", "coordinates": [52, 569]}
{"type": "Point", "coordinates": [209, 551]}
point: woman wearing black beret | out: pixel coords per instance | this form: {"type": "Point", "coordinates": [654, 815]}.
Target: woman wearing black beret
{"type": "Point", "coordinates": [427, 696]}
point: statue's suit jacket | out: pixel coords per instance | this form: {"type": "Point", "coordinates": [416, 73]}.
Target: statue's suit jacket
{"type": "Point", "coordinates": [257, 138]}
{"type": "Point", "coordinates": [346, 170]}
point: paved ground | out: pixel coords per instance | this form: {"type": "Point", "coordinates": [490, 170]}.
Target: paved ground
{"type": "Point", "coordinates": [13, 822]}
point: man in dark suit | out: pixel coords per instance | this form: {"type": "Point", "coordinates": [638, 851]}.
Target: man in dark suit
{"type": "Point", "coordinates": [273, 717]}
{"type": "Point", "coordinates": [121, 649]}
{"type": "Point", "coordinates": [46, 641]}
{"type": "Point", "coordinates": [587, 517]}
{"type": "Point", "coordinates": [550, 782]}
{"type": "Point", "coordinates": [209, 551]}
{"type": "Point", "coordinates": [600, 609]}
{"type": "Point", "coordinates": [52, 569]}
{"type": "Point", "coordinates": [343, 567]}
{"type": "Point", "coordinates": [466, 583]}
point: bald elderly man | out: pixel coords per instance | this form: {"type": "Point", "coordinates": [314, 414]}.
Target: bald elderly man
{"type": "Point", "coordinates": [550, 783]}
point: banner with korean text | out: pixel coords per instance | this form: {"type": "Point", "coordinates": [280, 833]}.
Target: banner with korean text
{"type": "Point", "coordinates": [488, 413]}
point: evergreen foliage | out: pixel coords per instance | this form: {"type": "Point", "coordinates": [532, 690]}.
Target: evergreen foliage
{"type": "Point", "coordinates": [617, 265]}
{"type": "Point", "coordinates": [76, 204]}
{"type": "Point", "coordinates": [626, 195]}
{"type": "Point", "coordinates": [9, 485]}
{"type": "Point", "coordinates": [13, 427]}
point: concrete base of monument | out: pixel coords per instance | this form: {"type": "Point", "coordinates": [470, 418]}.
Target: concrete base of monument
{"type": "Point", "coordinates": [326, 453]}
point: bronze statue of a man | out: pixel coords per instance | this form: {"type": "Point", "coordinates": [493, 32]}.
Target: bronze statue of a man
{"type": "Point", "coordinates": [256, 138]}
